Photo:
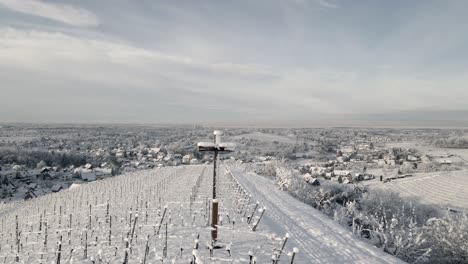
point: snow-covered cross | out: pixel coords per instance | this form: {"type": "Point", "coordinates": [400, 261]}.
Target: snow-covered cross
{"type": "Point", "coordinates": [216, 147]}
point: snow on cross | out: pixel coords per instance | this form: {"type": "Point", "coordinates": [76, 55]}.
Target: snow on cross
{"type": "Point", "coordinates": [216, 147]}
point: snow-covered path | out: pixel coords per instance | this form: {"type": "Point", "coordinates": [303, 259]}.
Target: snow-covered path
{"type": "Point", "coordinates": [319, 239]}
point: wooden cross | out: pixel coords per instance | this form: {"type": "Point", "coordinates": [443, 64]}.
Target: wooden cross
{"type": "Point", "coordinates": [216, 147]}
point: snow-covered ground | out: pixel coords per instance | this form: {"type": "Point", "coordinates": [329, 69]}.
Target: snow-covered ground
{"type": "Point", "coordinates": [319, 239]}
{"type": "Point", "coordinates": [95, 221]}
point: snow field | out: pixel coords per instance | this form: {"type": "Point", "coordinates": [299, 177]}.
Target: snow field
{"type": "Point", "coordinates": [441, 188]}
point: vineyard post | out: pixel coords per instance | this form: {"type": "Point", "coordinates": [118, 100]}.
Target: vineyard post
{"type": "Point", "coordinates": [40, 223]}
{"type": "Point", "coordinates": [59, 251]}
{"type": "Point", "coordinates": [146, 249]}
{"type": "Point", "coordinates": [60, 216]}
{"type": "Point", "coordinates": [252, 215]}
{"type": "Point", "coordinates": [282, 248]}
{"type": "Point", "coordinates": [45, 235]}
{"type": "Point", "coordinates": [165, 244]}
{"type": "Point", "coordinates": [85, 255]}
{"type": "Point", "coordinates": [295, 251]}
{"type": "Point", "coordinates": [17, 239]}
{"type": "Point", "coordinates": [133, 228]}
{"type": "Point", "coordinates": [258, 221]}
{"type": "Point", "coordinates": [162, 219]}
{"type": "Point", "coordinates": [110, 230]}
{"type": "Point", "coordinates": [107, 212]}
{"type": "Point", "coordinates": [126, 249]}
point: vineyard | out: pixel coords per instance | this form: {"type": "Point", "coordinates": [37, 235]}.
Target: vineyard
{"type": "Point", "coordinates": [156, 216]}
{"type": "Point", "coordinates": [441, 188]}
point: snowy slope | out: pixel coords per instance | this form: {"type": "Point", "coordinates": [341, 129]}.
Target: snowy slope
{"type": "Point", "coordinates": [319, 239]}
{"type": "Point", "coordinates": [125, 217]}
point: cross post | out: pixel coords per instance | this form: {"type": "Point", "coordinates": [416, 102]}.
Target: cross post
{"type": "Point", "coordinates": [216, 147]}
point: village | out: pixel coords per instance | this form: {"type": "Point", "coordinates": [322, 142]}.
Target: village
{"type": "Point", "coordinates": [364, 162]}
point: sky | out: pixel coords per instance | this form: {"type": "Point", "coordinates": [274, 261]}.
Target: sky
{"type": "Point", "coordinates": [234, 62]}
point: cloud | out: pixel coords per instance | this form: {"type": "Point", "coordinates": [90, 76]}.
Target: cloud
{"type": "Point", "coordinates": [42, 50]}
{"type": "Point", "coordinates": [64, 13]}
{"type": "Point", "coordinates": [326, 4]}
{"type": "Point", "coordinates": [62, 66]}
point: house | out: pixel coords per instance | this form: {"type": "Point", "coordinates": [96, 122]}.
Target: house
{"type": "Point", "coordinates": [88, 175]}
{"type": "Point", "coordinates": [347, 181]}
{"type": "Point", "coordinates": [103, 171]}
{"type": "Point", "coordinates": [358, 177]}
{"type": "Point", "coordinates": [45, 176]}
{"type": "Point", "coordinates": [28, 195]}
{"type": "Point", "coordinates": [446, 162]}
{"type": "Point", "coordinates": [314, 182]}
{"type": "Point", "coordinates": [168, 158]}
{"type": "Point", "coordinates": [45, 170]}
{"type": "Point", "coordinates": [318, 170]}
{"type": "Point", "coordinates": [177, 158]}
{"type": "Point", "coordinates": [343, 173]}
{"type": "Point", "coordinates": [67, 176]}
{"type": "Point", "coordinates": [412, 158]}
{"type": "Point", "coordinates": [186, 159]}
{"type": "Point", "coordinates": [56, 188]}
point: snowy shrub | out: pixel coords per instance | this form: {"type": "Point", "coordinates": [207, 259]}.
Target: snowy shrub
{"type": "Point", "coordinates": [448, 237]}
{"type": "Point", "coordinates": [266, 169]}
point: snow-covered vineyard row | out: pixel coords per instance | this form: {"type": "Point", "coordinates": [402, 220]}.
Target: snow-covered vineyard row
{"type": "Point", "coordinates": [152, 216]}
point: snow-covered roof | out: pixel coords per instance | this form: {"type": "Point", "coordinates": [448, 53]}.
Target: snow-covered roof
{"type": "Point", "coordinates": [56, 188]}
{"type": "Point", "coordinates": [103, 171]}
{"type": "Point", "coordinates": [88, 175]}
{"type": "Point", "coordinates": [74, 185]}
{"type": "Point", "coordinates": [342, 172]}
{"type": "Point", "coordinates": [314, 181]}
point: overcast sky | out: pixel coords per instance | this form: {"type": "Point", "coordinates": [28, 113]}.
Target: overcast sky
{"type": "Point", "coordinates": [237, 61]}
